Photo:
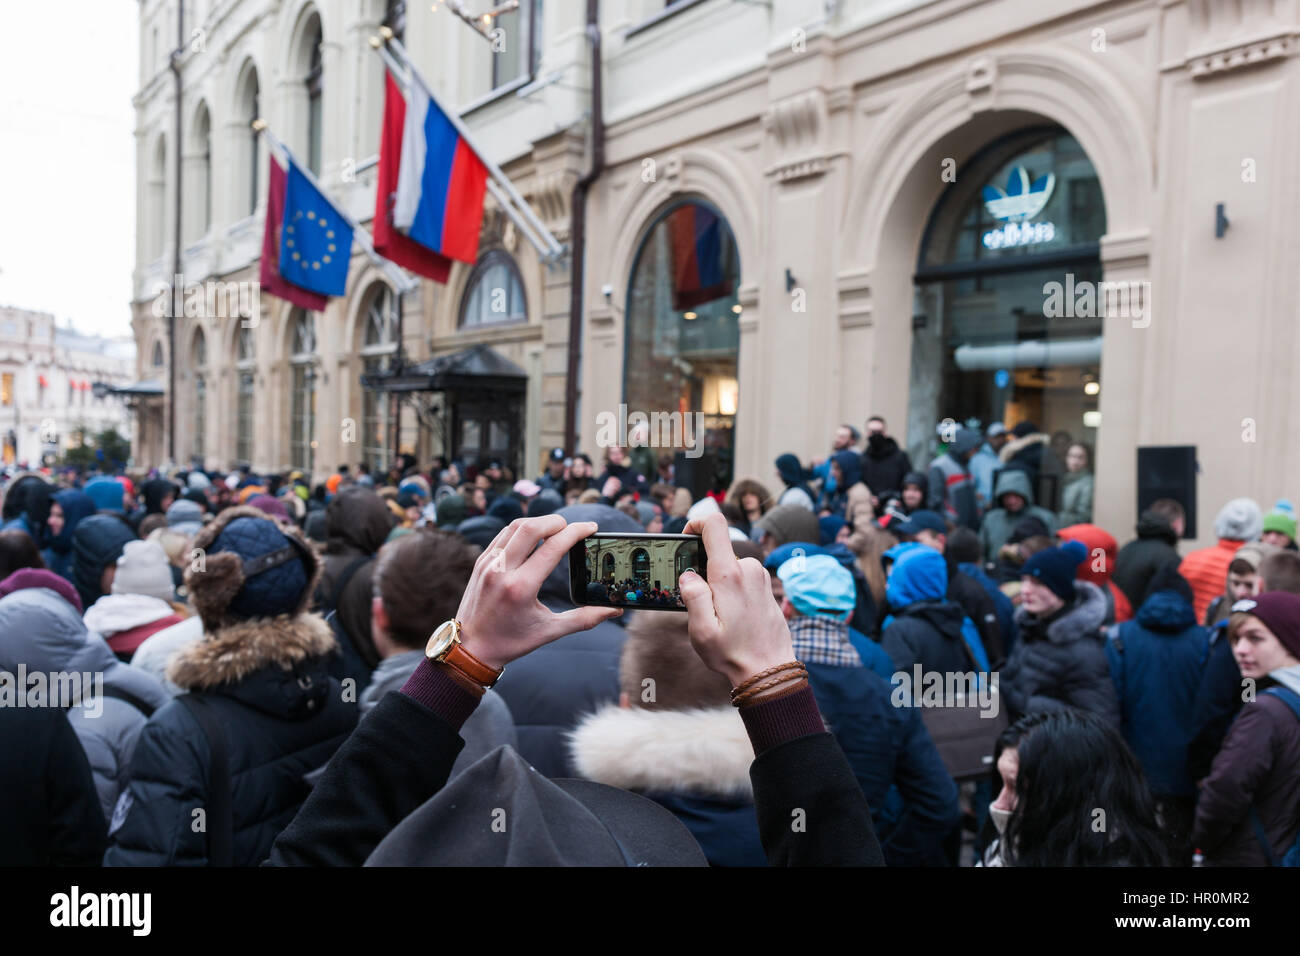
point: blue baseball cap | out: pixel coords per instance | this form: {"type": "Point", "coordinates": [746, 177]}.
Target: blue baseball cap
{"type": "Point", "coordinates": [920, 521]}
{"type": "Point", "coordinates": [818, 584]}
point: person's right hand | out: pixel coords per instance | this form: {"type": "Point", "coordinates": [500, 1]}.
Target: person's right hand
{"type": "Point", "coordinates": [612, 486]}
{"type": "Point", "coordinates": [735, 624]}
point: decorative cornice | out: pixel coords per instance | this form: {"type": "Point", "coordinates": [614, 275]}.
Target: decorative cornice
{"type": "Point", "coordinates": [797, 129]}
{"type": "Point", "coordinates": [1207, 65]}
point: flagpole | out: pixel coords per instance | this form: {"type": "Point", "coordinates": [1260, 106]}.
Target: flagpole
{"type": "Point", "coordinates": [548, 246]}
{"type": "Point", "coordinates": [394, 273]}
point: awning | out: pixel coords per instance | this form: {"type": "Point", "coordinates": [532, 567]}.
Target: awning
{"type": "Point", "coordinates": [477, 367]}
{"type": "Point", "coordinates": [145, 389]}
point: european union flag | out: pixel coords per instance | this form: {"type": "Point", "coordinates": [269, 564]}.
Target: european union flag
{"type": "Point", "coordinates": [315, 241]}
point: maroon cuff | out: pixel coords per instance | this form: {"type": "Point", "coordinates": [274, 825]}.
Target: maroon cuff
{"type": "Point", "coordinates": [441, 694]}
{"type": "Point", "coordinates": [774, 721]}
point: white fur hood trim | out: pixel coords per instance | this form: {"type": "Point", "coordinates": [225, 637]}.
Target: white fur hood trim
{"type": "Point", "coordinates": [703, 753]}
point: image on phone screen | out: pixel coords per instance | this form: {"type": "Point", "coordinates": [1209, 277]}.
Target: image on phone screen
{"type": "Point", "coordinates": [633, 570]}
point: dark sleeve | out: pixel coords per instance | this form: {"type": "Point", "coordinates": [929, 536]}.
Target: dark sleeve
{"type": "Point", "coordinates": [1217, 702]}
{"type": "Point", "coordinates": [937, 489]}
{"type": "Point", "coordinates": [811, 811]}
{"type": "Point", "coordinates": [1091, 687]}
{"type": "Point", "coordinates": [78, 832]}
{"type": "Point", "coordinates": [930, 809]}
{"type": "Point", "coordinates": [1239, 770]}
{"type": "Point", "coordinates": [399, 756]}
{"type": "Point", "coordinates": [897, 642]}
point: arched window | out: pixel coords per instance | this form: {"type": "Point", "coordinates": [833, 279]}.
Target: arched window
{"type": "Point", "coordinates": [201, 155]}
{"type": "Point", "coordinates": [249, 107]}
{"type": "Point", "coordinates": [314, 89]}
{"type": "Point", "coordinates": [302, 442]}
{"type": "Point", "coordinates": [495, 292]}
{"type": "Point", "coordinates": [990, 342]}
{"type": "Point", "coordinates": [379, 345]}
{"type": "Point", "coordinates": [156, 234]}
{"type": "Point", "coordinates": [607, 566]}
{"type": "Point", "coordinates": [246, 365]}
{"type": "Point", "coordinates": [640, 565]}
{"type": "Point", "coordinates": [682, 341]}
{"type": "Point", "coordinates": [200, 360]}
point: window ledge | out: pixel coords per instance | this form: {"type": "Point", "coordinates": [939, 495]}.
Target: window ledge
{"type": "Point", "coordinates": [667, 13]}
{"type": "Point", "coordinates": [501, 92]}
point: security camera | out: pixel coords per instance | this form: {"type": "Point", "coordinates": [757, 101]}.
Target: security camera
{"type": "Point", "coordinates": [607, 291]}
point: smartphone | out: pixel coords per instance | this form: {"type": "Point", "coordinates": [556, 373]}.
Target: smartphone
{"type": "Point", "coordinates": [634, 570]}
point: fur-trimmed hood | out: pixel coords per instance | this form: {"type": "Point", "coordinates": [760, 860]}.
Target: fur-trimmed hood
{"type": "Point", "coordinates": [213, 588]}
{"type": "Point", "coordinates": [702, 753]}
{"type": "Point", "coordinates": [1080, 621]}
{"type": "Point", "coordinates": [1017, 445]}
{"type": "Point", "coordinates": [233, 653]}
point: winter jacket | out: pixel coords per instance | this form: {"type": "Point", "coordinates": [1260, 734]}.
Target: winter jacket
{"type": "Point", "coordinates": [796, 490]}
{"type": "Point", "coordinates": [1061, 662]}
{"type": "Point", "coordinates": [837, 501]}
{"type": "Point", "coordinates": [1097, 568]}
{"type": "Point", "coordinates": [1033, 455]}
{"type": "Point", "coordinates": [1076, 498]}
{"type": "Point", "coordinates": [1156, 662]}
{"type": "Point", "coordinates": [1002, 606]}
{"type": "Point", "coordinates": [49, 811]}
{"type": "Point", "coordinates": [1258, 767]}
{"type": "Point", "coordinates": [156, 652]}
{"type": "Point", "coordinates": [984, 465]}
{"type": "Point", "coordinates": [629, 479]}
{"type": "Point", "coordinates": [695, 763]}
{"type": "Point", "coordinates": [357, 524]}
{"type": "Point", "coordinates": [1136, 563]}
{"type": "Point", "coordinates": [888, 746]}
{"type": "Point", "coordinates": [489, 727]}
{"type": "Point", "coordinates": [952, 490]}
{"type": "Point", "coordinates": [998, 524]}
{"type": "Point", "coordinates": [1206, 570]}
{"type": "Point", "coordinates": [45, 633]}
{"type": "Point", "coordinates": [283, 716]}
{"type": "Point", "coordinates": [1218, 701]}
{"type": "Point", "coordinates": [969, 595]}
{"type": "Point", "coordinates": [97, 543]}
{"type": "Point", "coordinates": [77, 506]}
{"type": "Point", "coordinates": [924, 627]}
{"type": "Point", "coordinates": [884, 466]}
{"type": "Point", "coordinates": [127, 620]}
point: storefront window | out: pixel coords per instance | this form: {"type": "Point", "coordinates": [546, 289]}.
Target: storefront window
{"type": "Point", "coordinates": [1007, 324]}
{"type": "Point", "coordinates": [683, 334]}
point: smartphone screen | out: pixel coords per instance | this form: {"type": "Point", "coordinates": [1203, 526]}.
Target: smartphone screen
{"type": "Point", "coordinates": [634, 570]}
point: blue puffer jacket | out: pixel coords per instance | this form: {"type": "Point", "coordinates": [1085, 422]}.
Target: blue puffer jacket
{"type": "Point", "coordinates": [924, 627]}
{"type": "Point", "coordinates": [887, 745]}
{"type": "Point", "coordinates": [1156, 661]}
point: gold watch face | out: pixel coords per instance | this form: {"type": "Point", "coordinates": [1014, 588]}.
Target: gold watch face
{"type": "Point", "coordinates": [442, 640]}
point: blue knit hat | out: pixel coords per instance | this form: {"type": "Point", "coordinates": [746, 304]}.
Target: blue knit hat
{"type": "Point", "coordinates": [1055, 567]}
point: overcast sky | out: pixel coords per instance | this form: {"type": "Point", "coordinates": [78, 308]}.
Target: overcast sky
{"type": "Point", "coordinates": [68, 70]}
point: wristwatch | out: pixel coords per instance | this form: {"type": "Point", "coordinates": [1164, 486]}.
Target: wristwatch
{"type": "Point", "coordinates": [445, 647]}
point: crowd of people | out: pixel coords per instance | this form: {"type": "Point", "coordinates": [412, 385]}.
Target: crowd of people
{"type": "Point", "coordinates": [261, 657]}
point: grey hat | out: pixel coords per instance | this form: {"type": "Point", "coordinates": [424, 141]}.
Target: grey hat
{"type": "Point", "coordinates": [185, 516]}
{"type": "Point", "coordinates": [501, 812]}
{"type": "Point", "coordinates": [996, 429]}
{"type": "Point", "coordinates": [1239, 520]}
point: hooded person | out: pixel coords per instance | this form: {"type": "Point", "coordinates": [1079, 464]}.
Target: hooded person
{"type": "Point", "coordinates": [451, 511]}
{"type": "Point", "coordinates": [846, 469]}
{"type": "Point", "coordinates": [1156, 660]}
{"type": "Point", "coordinates": [684, 746]}
{"type": "Point", "coordinates": [952, 490]}
{"type": "Point", "coordinates": [140, 603]}
{"type": "Point", "coordinates": [1100, 566]}
{"type": "Point", "coordinates": [259, 679]}
{"type": "Point", "coordinates": [794, 478]}
{"type": "Point", "coordinates": [1015, 501]}
{"type": "Point", "coordinates": [157, 495]}
{"type": "Point", "coordinates": [913, 493]}
{"type": "Point", "coordinates": [44, 633]}
{"type": "Point", "coordinates": [1155, 546]}
{"type": "Point", "coordinates": [1059, 659]}
{"type": "Point", "coordinates": [68, 510]}
{"type": "Point", "coordinates": [1205, 569]}
{"type": "Point", "coordinates": [1030, 451]}
{"type": "Point", "coordinates": [783, 524]}
{"type": "Point", "coordinates": [108, 493]}
{"type": "Point", "coordinates": [1246, 807]}
{"type": "Point", "coordinates": [97, 543]}
{"type": "Point", "coordinates": [549, 690]}
{"type": "Point", "coordinates": [884, 465]}
{"type": "Point", "coordinates": [15, 502]}
{"type": "Point", "coordinates": [36, 497]}
{"type": "Point", "coordinates": [922, 626]}
{"type": "Point", "coordinates": [912, 796]}
{"type": "Point", "coordinates": [357, 523]}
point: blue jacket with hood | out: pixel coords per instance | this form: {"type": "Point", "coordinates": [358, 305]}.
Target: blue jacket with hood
{"type": "Point", "coordinates": [923, 627]}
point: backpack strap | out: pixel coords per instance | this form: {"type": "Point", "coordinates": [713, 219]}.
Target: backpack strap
{"type": "Point", "coordinates": [1288, 697]}
{"type": "Point", "coordinates": [138, 703]}
{"type": "Point", "coordinates": [220, 808]}
{"type": "Point", "coordinates": [352, 568]}
{"type": "Point", "coordinates": [1292, 700]}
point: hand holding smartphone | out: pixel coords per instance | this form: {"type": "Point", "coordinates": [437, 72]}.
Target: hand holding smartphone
{"type": "Point", "coordinates": [638, 571]}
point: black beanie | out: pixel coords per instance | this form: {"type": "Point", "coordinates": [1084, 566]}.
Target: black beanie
{"type": "Point", "coordinates": [1055, 567]}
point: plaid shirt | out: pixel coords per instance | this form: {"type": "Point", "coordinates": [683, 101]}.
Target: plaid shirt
{"type": "Point", "coordinates": [823, 639]}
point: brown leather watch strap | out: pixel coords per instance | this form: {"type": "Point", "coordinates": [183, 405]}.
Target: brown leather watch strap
{"type": "Point", "coordinates": [469, 665]}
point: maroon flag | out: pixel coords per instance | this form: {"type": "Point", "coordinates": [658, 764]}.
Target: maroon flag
{"type": "Point", "coordinates": [270, 277]}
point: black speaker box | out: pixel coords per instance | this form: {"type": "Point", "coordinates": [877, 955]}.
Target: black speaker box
{"type": "Point", "coordinates": [1168, 471]}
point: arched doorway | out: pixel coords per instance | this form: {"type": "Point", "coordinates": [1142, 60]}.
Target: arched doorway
{"type": "Point", "coordinates": [1010, 249]}
{"type": "Point", "coordinates": [682, 341]}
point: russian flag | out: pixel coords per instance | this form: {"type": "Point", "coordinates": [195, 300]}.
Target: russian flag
{"type": "Point", "coordinates": [699, 266]}
{"type": "Point", "coordinates": [441, 182]}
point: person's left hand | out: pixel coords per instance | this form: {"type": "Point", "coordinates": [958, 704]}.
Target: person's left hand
{"type": "Point", "coordinates": [500, 615]}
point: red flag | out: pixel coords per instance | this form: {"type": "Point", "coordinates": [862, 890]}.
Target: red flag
{"type": "Point", "coordinates": [270, 277]}
{"type": "Point", "coordinates": [390, 243]}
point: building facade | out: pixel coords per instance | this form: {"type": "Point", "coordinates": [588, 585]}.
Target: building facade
{"type": "Point", "coordinates": [1070, 213]}
{"type": "Point", "coordinates": [47, 387]}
